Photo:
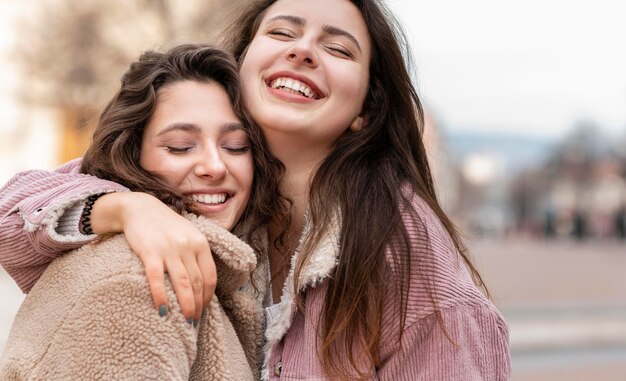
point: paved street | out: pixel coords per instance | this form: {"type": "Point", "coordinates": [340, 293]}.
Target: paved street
{"type": "Point", "coordinates": [565, 304]}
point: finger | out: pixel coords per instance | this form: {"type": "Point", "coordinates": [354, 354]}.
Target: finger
{"type": "Point", "coordinates": [156, 280]}
{"type": "Point", "coordinates": [196, 285]}
{"type": "Point", "coordinates": [182, 287]}
{"type": "Point", "coordinates": [209, 275]}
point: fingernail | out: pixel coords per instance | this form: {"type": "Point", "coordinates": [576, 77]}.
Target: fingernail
{"type": "Point", "coordinates": [162, 310]}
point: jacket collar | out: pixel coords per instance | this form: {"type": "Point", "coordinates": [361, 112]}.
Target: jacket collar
{"type": "Point", "coordinates": [234, 259]}
{"type": "Point", "coordinates": [320, 266]}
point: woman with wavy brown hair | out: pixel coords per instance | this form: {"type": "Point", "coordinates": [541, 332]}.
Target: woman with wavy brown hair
{"type": "Point", "coordinates": [368, 276]}
{"type": "Point", "coordinates": [177, 132]}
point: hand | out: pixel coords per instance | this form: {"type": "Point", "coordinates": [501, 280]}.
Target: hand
{"type": "Point", "coordinates": [165, 242]}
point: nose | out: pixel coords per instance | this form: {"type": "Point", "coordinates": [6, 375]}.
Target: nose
{"type": "Point", "coordinates": [211, 166]}
{"type": "Point", "coordinates": [302, 52]}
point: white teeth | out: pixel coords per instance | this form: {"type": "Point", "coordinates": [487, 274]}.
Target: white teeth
{"type": "Point", "coordinates": [209, 198]}
{"type": "Point", "coordinates": [294, 85]}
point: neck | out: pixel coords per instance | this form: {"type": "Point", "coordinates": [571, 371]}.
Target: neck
{"type": "Point", "coordinates": [300, 165]}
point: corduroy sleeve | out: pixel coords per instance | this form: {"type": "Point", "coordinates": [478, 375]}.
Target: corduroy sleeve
{"type": "Point", "coordinates": [473, 347]}
{"type": "Point", "coordinates": [467, 339]}
{"type": "Point", "coordinates": [31, 204]}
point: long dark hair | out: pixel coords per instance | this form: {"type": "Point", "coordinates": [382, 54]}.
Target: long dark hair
{"type": "Point", "coordinates": [116, 147]}
{"type": "Point", "coordinates": [370, 175]}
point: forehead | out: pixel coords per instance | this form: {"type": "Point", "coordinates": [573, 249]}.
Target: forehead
{"type": "Point", "coordinates": [187, 95]}
{"type": "Point", "coordinates": [341, 14]}
{"type": "Point", "coordinates": [202, 103]}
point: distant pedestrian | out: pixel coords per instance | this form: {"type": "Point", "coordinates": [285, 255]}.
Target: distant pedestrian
{"type": "Point", "coordinates": [549, 224]}
{"type": "Point", "coordinates": [579, 225]}
{"type": "Point", "coordinates": [620, 223]}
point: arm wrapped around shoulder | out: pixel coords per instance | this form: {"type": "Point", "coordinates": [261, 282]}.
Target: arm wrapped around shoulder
{"type": "Point", "coordinates": [31, 204]}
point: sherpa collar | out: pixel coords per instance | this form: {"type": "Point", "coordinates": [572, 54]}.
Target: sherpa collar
{"type": "Point", "coordinates": [234, 259]}
{"type": "Point", "coordinates": [320, 266]}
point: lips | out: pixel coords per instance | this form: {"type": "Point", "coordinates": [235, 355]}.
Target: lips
{"type": "Point", "coordinates": [210, 199]}
{"type": "Point", "coordinates": [294, 84]}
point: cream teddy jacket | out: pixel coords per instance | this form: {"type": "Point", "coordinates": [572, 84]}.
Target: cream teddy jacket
{"type": "Point", "coordinates": [90, 317]}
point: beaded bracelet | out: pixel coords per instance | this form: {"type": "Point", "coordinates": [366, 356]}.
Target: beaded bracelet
{"type": "Point", "coordinates": [85, 217]}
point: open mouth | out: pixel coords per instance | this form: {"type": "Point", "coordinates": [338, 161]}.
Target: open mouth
{"type": "Point", "coordinates": [293, 86]}
{"type": "Point", "coordinates": [210, 199]}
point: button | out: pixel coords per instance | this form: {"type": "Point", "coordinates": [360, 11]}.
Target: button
{"type": "Point", "coordinates": [39, 210]}
{"type": "Point", "coordinates": [278, 368]}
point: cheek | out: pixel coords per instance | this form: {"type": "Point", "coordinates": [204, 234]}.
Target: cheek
{"type": "Point", "coordinates": [248, 173]}
{"type": "Point", "coordinates": [147, 158]}
{"type": "Point", "coordinates": [172, 170]}
{"type": "Point", "coordinates": [250, 65]}
{"type": "Point", "coordinates": [248, 86]}
{"type": "Point", "coordinates": [349, 84]}
{"type": "Point", "coordinates": [348, 80]}
{"type": "Point", "coordinates": [244, 172]}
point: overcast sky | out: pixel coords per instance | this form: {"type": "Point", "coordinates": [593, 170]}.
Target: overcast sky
{"type": "Point", "coordinates": [532, 67]}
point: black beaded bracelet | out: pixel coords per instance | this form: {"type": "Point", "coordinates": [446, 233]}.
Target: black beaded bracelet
{"type": "Point", "coordinates": [85, 217]}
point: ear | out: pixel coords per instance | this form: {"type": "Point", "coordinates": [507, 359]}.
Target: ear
{"type": "Point", "coordinates": [357, 124]}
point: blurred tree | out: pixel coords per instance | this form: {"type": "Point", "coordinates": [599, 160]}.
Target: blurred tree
{"type": "Point", "coordinates": [73, 52]}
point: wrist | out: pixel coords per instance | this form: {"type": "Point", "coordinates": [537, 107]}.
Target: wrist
{"type": "Point", "coordinates": [107, 213]}
{"type": "Point", "coordinates": [112, 212]}
{"type": "Point", "coordinates": [85, 218]}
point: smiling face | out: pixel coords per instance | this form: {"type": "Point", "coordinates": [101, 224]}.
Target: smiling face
{"type": "Point", "coordinates": [306, 72]}
{"type": "Point", "coordinates": [197, 144]}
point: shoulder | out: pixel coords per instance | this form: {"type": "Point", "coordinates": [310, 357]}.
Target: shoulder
{"type": "Point", "coordinates": [91, 302]}
{"type": "Point", "coordinates": [428, 248]}
{"type": "Point", "coordinates": [423, 225]}
{"type": "Point", "coordinates": [428, 265]}
{"type": "Point", "coordinates": [103, 319]}
{"type": "Point", "coordinates": [100, 259]}
{"type": "Point", "coordinates": [70, 277]}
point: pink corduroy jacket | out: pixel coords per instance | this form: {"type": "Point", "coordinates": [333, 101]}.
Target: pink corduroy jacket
{"type": "Point", "coordinates": [474, 345]}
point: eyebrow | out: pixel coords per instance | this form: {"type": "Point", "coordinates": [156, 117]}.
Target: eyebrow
{"type": "Point", "coordinates": [190, 127]}
{"type": "Point", "coordinates": [328, 29]}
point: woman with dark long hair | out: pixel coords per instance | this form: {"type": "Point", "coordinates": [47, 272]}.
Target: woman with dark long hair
{"type": "Point", "coordinates": [368, 276]}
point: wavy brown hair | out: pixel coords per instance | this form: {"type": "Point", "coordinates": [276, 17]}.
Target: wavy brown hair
{"type": "Point", "coordinates": [116, 147]}
{"type": "Point", "coordinates": [365, 177]}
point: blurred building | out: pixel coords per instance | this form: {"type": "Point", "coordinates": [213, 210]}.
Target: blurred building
{"type": "Point", "coordinates": [63, 59]}
{"type": "Point", "coordinates": [579, 192]}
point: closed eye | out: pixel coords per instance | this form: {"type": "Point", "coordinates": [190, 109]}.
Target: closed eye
{"type": "Point", "coordinates": [341, 50]}
{"type": "Point", "coordinates": [237, 150]}
{"type": "Point", "coordinates": [281, 33]}
{"type": "Point", "coordinates": [178, 150]}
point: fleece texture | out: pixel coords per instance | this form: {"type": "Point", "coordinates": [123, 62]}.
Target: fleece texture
{"type": "Point", "coordinates": [90, 317]}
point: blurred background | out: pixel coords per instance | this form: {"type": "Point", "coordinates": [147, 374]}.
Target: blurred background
{"type": "Point", "coordinates": [526, 129]}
